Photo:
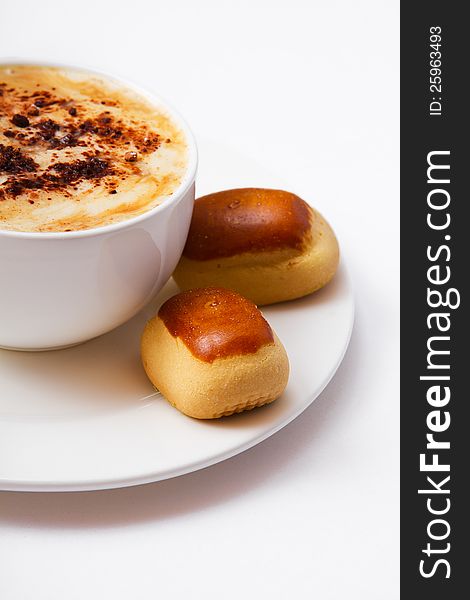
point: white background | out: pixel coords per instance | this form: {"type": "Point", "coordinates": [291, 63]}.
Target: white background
{"type": "Point", "coordinates": [308, 89]}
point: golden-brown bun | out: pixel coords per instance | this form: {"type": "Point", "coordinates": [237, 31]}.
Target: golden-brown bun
{"type": "Point", "coordinates": [211, 353]}
{"type": "Point", "coordinates": [268, 245]}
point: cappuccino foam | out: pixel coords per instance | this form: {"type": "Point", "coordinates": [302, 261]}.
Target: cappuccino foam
{"type": "Point", "coordinates": [79, 151]}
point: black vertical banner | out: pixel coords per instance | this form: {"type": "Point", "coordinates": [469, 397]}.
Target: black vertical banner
{"type": "Point", "coordinates": [435, 267]}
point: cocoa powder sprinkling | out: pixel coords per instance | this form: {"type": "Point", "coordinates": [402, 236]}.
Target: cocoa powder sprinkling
{"type": "Point", "coordinates": [20, 120]}
{"type": "Point", "coordinates": [14, 161]}
{"type": "Point", "coordinates": [71, 143]}
{"type": "Point", "coordinates": [60, 176]}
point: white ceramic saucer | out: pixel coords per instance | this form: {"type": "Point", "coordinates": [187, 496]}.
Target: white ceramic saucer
{"type": "Point", "coordinates": [87, 418]}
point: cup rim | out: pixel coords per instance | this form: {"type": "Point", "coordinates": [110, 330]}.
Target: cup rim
{"type": "Point", "coordinates": [156, 99]}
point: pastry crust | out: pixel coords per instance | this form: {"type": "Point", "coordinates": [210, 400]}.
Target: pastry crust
{"type": "Point", "coordinates": [288, 257]}
{"type": "Point", "coordinates": [201, 384]}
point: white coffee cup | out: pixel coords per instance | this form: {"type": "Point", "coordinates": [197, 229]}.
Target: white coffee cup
{"type": "Point", "coordinates": [59, 289]}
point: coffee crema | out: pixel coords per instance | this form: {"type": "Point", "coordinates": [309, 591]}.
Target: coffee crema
{"type": "Point", "coordinates": [79, 151]}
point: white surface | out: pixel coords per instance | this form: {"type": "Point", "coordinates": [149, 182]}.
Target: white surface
{"type": "Point", "coordinates": [310, 90]}
{"type": "Point", "coordinates": [87, 417]}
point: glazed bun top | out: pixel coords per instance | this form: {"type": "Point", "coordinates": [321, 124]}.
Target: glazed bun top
{"type": "Point", "coordinates": [247, 220]}
{"type": "Point", "coordinates": [215, 323]}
